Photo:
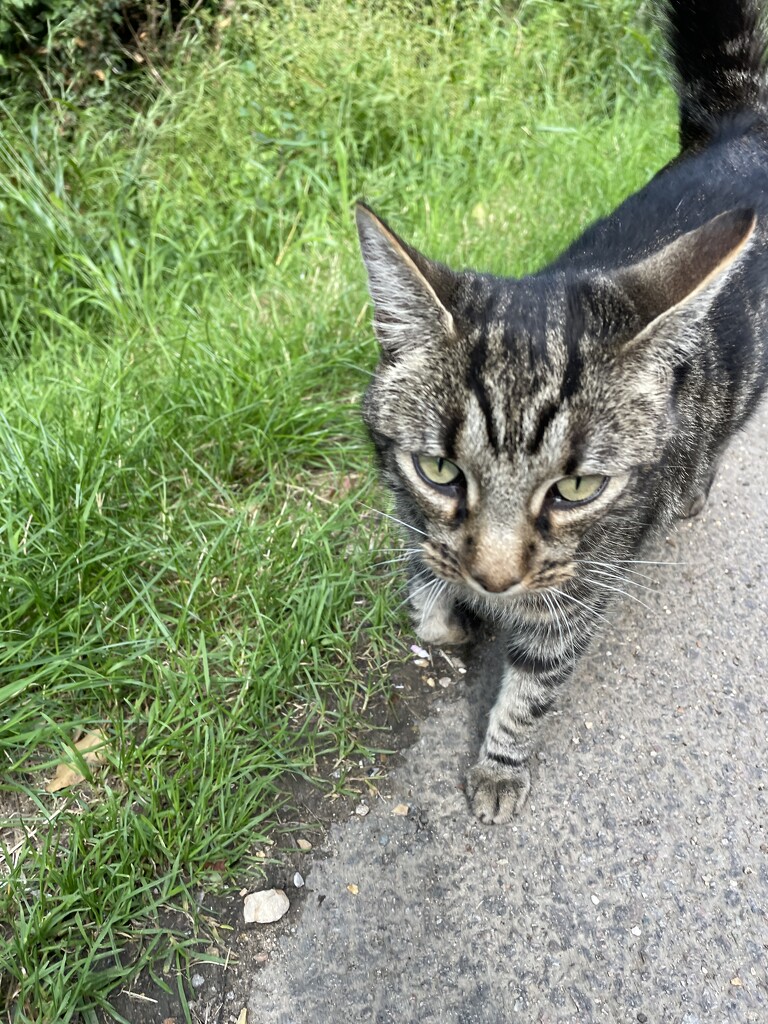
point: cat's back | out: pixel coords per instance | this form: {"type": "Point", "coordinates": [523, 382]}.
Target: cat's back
{"type": "Point", "coordinates": [729, 172]}
{"type": "Point", "coordinates": [717, 51]}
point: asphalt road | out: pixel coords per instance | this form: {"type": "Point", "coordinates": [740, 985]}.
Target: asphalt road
{"type": "Point", "coordinates": [634, 887]}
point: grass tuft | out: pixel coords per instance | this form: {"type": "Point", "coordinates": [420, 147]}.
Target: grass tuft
{"type": "Point", "coordinates": [186, 549]}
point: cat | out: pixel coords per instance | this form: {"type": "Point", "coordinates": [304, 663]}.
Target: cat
{"type": "Point", "coordinates": [536, 432]}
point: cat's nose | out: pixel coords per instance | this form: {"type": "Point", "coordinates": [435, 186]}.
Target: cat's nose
{"type": "Point", "coordinates": [495, 584]}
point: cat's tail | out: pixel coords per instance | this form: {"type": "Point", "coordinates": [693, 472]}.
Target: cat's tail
{"type": "Point", "coordinates": [718, 50]}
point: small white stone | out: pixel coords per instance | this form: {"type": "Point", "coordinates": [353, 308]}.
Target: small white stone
{"type": "Point", "coordinates": [265, 906]}
{"type": "Point", "coordinates": [637, 931]}
{"type": "Point", "coordinates": [298, 880]}
{"type": "Point", "coordinates": [197, 981]}
{"type": "Point", "coordinates": [362, 810]}
{"type": "Point", "coordinates": [595, 899]}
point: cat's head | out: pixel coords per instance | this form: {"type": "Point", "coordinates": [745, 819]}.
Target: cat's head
{"type": "Point", "coordinates": [522, 423]}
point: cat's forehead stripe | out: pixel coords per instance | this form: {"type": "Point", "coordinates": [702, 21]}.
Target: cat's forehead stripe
{"type": "Point", "coordinates": [452, 425]}
{"type": "Point", "coordinates": [477, 386]}
{"type": "Point", "coordinates": [573, 333]}
{"type": "Point", "coordinates": [546, 414]}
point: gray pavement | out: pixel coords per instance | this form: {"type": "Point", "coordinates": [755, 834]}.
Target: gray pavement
{"type": "Point", "coordinates": [634, 886]}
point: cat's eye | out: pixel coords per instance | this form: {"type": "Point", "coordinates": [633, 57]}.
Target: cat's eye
{"type": "Point", "coordinates": [436, 470]}
{"type": "Point", "coordinates": [579, 489]}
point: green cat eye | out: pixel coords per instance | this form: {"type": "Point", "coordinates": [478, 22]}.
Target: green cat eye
{"type": "Point", "coordinates": [578, 489]}
{"type": "Point", "coordinates": [436, 470]}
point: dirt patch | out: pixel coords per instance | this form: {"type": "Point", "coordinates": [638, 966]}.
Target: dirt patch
{"type": "Point", "coordinates": [217, 984]}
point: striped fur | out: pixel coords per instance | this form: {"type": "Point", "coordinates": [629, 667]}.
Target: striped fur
{"type": "Point", "coordinates": [619, 372]}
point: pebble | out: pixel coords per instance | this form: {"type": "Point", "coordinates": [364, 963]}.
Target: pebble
{"type": "Point", "coordinates": [304, 845]}
{"type": "Point", "coordinates": [595, 899]}
{"type": "Point", "coordinates": [637, 931]}
{"type": "Point", "coordinates": [265, 906]}
{"type": "Point", "coordinates": [362, 810]}
{"type": "Point", "coordinates": [197, 981]}
{"type": "Point", "coordinates": [298, 881]}
{"type": "Point", "coordinates": [401, 810]}
{"type": "Point", "coordinates": [383, 840]}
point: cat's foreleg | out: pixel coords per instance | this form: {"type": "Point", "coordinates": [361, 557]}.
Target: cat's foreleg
{"type": "Point", "coordinates": [434, 613]}
{"type": "Point", "coordinates": [499, 784]}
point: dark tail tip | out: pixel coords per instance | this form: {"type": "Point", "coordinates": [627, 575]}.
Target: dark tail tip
{"type": "Point", "coordinates": [718, 50]}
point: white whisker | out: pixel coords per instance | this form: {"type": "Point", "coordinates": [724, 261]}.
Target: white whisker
{"type": "Point", "coordinates": [418, 590]}
{"type": "Point", "coordinates": [592, 611]}
{"type": "Point", "coordinates": [613, 565]}
{"type": "Point", "coordinates": [549, 601]}
{"type": "Point", "coordinates": [433, 598]}
{"type": "Point", "coordinates": [566, 620]}
{"type": "Point", "coordinates": [641, 561]}
{"type": "Point", "coordinates": [394, 519]}
{"type": "Point", "coordinates": [391, 561]}
{"type": "Point", "coordinates": [618, 579]}
{"type": "Point", "coordinates": [618, 590]}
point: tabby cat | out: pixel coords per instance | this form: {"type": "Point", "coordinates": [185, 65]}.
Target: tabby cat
{"type": "Point", "coordinates": [536, 432]}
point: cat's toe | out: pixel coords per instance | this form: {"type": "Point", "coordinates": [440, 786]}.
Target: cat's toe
{"type": "Point", "coordinates": [496, 792]}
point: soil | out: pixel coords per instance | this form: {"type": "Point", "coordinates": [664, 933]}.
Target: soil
{"type": "Point", "coordinates": [217, 991]}
{"type": "Point", "coordinates": [216, 984]}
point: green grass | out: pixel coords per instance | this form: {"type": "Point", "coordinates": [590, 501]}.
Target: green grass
{"type": "Point", "coordinates": [186, 552]}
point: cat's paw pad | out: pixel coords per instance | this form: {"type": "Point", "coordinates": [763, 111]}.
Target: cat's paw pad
{"type": "Point", "coordinates": [497, 792]}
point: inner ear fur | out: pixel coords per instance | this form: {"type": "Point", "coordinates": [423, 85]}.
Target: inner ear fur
{"type": "Point", "coordinates": [407, 288]}
{"type": "Point", "coordinates": [687, 274]}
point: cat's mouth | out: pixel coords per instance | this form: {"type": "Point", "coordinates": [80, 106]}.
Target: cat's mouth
{"type": "Point", "coordinates": [499, 583]}
{"type": "Point", "coordinates": [492, 589]}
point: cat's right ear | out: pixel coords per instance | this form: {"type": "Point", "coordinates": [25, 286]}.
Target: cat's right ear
{"type": "Point", "coordinates": [404, 286]}
{"type": "Point", "coordinates": [676, 286]}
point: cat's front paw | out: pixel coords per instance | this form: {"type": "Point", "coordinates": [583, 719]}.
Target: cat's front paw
{"type": "Point", "coordinates": [447, 633]}
{"type": "Point", "coordinates": [439, 622]}
{"type": "Point", "coordinates": [496, 792]}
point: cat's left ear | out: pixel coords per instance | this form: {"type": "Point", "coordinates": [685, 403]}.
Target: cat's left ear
{"type": "Point", "coordinates": [676, 286]}
{"type": "Point", "coordinates": [405, 286]}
